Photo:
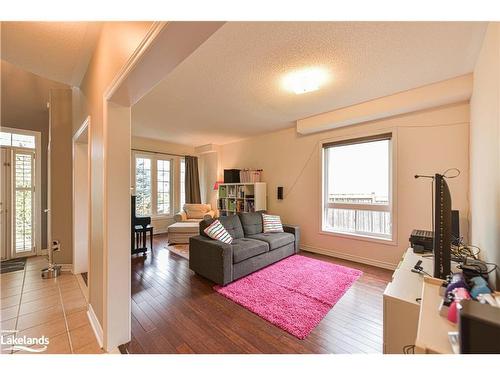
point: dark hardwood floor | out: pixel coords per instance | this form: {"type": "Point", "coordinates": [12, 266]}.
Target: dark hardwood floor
{"type": "Point", "coordinates": [176, 311]}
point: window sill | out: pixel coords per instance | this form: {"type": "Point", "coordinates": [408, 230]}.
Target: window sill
{"type": "Point", "coordinates": [359, 237]}
{"type": "Point", "coordinates": [162, 217]}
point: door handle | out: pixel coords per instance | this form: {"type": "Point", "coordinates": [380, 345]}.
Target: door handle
{"type": "Point", "coordinates": [46, 210]}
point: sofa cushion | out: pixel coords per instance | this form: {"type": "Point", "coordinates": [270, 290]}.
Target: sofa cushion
{"type": "Point", "coordinates": [196, 211]}
{"type": "Point", "coordinates": [193, 221]}
{"type": "Point", "coordinates": [245, 248]}
{"type": "Point", "coordinates": [232, 224]}
{"type": "Point", "coordinates": [251, 222]}
{"type": "Point", "coordinates": [275, 240]}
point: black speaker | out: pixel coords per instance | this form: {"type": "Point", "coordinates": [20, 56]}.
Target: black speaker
{"type": "Point", "coordinates": [455, 227]}
{"type": "Point", "coordinates": [280, 192]}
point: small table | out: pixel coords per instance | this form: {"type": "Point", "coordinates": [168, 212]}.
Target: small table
{"type": "Point", "coordinates": [140, 233]}
{"type": "Point", "coordinates": [181, 231]}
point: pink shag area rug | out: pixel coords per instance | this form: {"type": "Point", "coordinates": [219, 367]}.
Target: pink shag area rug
{"type": "Point", "coordinates": [293, 294]}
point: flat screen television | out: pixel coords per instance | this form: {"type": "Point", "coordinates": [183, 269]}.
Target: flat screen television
{"type": "Point", "coordinates": [442, 228]}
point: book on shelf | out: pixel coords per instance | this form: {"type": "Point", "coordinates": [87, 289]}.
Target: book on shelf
{"type": "Point", "coordinates": [243, 197]}
{"type": "Point", "coordinates": [221, 205]}
{"type": "Point", "coordinates": [240, 206]}
{"type": "Point", "coordinates": [222, 191]}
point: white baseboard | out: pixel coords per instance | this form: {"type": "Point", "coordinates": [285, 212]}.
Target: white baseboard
{"type": "Point", "coordinates": [354, 258]}
{"type": "Point", "coordinates": [83, 287]}
{"type": "Point", "coordinates": [96, 326]}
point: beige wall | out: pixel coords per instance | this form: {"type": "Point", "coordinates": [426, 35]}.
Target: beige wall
{"type": "Point", "coordinates": [485, 150]}
{"type": "Point", "coordinates": [61, 177]}
{"type": "Point", "coordinates": [117, 42]}
{"type": "Point", "coordinates": [208, 169]}
{"type": "Point", "coordinates": [427, 142]}
{"type": "Point", "coordinates": [24, 106]}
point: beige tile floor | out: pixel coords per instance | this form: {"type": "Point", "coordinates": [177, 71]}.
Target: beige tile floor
{"type": "Point", "coordinates": [56, 308]}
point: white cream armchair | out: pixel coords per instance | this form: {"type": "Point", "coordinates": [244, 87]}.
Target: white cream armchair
{"type": "Point", "coordinates": [195, 212]}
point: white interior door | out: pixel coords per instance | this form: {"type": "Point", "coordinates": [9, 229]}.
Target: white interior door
{"type": "Point", "coordinates": [23, 202]}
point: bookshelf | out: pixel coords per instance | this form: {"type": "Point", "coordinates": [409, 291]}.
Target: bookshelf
{"type": "Point", "coordinates": [241, 197]}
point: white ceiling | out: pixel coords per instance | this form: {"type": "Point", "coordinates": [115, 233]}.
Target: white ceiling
{"type": "Point", "coordinates": [59, 51]}
{"type": "Point", "coordinates": [230, 87]}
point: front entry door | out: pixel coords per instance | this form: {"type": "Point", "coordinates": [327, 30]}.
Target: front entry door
{"type": "Point", "coordinates": [23, 202]}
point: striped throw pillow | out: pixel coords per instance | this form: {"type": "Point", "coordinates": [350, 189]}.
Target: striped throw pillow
{"type": "Point", "coordinates": [272, 223]}
{"type": "Point", "coordinates": [217, 232]}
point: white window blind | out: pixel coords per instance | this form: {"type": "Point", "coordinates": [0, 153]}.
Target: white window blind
{"type": "Point", "coordinates": [24, 201]}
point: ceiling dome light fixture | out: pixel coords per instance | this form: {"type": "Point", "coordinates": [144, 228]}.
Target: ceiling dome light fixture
{"type": "Point", "coordinates": [305, 80]}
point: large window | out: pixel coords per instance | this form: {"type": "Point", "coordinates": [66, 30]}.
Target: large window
{"type": "Point", "coordinates": [357, 187]}
{"type": "Point", "coordinates": [16, 140]}
{"type": "Point", "coordinates": [20, 232]}
{"type": "Point", "coordinates": [153, 185]}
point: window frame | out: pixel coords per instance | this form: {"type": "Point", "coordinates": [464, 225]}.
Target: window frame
{"type": "Point", "coordinates": [22, 132]}
{"type": "Point", "coordinates": [38, 187]}
{"type": "Point", "coordinates": [391, 207]}
{"type": "Point", "coordinates": [154, 176]}
{"type": "Point", "coordinates": [154, 157]}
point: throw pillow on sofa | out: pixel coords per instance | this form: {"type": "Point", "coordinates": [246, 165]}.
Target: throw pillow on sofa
{"type": "Point", "coordinates": [272, 223]}
{"type": "Point", "coordinates": [217, 232]}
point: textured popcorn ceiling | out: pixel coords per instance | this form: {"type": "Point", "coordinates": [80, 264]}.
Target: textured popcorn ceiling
{"type": "Point", "coordinates": [230, 87]}
{"type": "Point", "coordinates": [59, 51]}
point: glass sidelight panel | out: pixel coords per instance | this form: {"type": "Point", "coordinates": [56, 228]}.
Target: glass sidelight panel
{"type": "Point", "coordinates": [143, 186]}
{"type": "Point", "coordinates": [163, 176]}
{"type": "Point", "coordinates": [24, 202]}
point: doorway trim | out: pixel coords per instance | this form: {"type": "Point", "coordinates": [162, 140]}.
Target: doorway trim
{"type": "Point", "coordinates": [38, 188]}
{"type": "Point", "coordinates": [117, 309]}
{"type": "Point", "coordinates": [85, 127]}
{"type": "Point", "coordinates": [117, 100]}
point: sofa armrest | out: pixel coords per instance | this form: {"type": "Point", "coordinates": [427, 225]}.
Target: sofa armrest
{"type": "Point", "coordinates": [295, 230]}
{"type": "Point", "coordinates": [180, 216]}
{"type": "Point", "coordinates": [211, 259]}
{"type": "Point", "coordinates": [209, 215]}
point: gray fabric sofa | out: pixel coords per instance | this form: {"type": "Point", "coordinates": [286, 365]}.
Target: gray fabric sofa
{"type": "Point", "coordinates": [250, 251]}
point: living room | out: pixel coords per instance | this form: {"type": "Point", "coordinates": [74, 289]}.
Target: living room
{"type": "Point", "coordinates": [252, 187]}
{"type": "Point", "coordinates": [388, 136]}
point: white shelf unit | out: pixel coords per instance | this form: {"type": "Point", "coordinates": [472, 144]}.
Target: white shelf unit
{"type": "Point", "coordinates": [241, 197]}
{"type": "Point", "coordinates": [402, 302]}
